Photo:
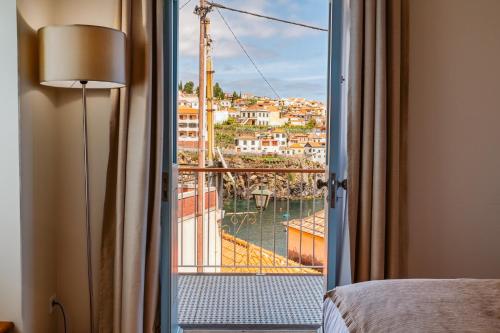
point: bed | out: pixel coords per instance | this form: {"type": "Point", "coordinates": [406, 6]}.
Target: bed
{"type": "Point", "coordinates": [414, 305]}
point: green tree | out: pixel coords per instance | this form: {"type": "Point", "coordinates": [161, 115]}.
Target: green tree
{"type": "Point", "coordinates": [218, 92]}
{"type": "Point", "coordinates": [180, 86]}
{"type": "Point", "coordinates": [230, 121]}
{"type": "Point", "coordinates": [188, 87]}
{"type": "Point", "coordinates": [252, 101]}
{"type": "Point", "coordinates": [311, 123]}
{"type": "Point", "coordinates": [234, 97]}
{"type": "Point", "coordinates": [198, 91]}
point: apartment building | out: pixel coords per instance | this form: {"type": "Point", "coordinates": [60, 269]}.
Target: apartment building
{"type": "Point", "coordinates": [280, 135]}
{"type": "Point", "coordinates": [269, 145]}
{"type": "Point", "coordinates": [299, 138]}
{"type": "Point", "coordinates": [188, 100]}
{"type": "Point", "coordinates": [295, 149]}
{"type": "Point", "coordinates": [315, 151]}
{"type": "Point", "coordinates": [253, 116]}
{"type": "Point", "coordinates": [319, 138]}
{"type": "Point", "coordinates": [247, 144]}
{"type": "Point", "coordinates": [187, 127]}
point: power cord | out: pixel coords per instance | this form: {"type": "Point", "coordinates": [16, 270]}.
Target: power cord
{"type": "Point", "coordinates": [55, 302]}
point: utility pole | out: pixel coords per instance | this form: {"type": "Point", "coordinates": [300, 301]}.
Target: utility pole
{"type": "Point", "coordinates": [210, 97]}
{"type": "Point", "coordinates": [202, 11]}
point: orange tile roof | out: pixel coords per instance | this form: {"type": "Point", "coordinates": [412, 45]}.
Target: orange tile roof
{"type": "Point", "coordinates": [317, 136]}
{"type": "Point", "coordinates": [255, 107]}
{"type": "Point", "coordinates": [237, 252]}
{"type": "Point", "coordinates": [272, 108]}
{"type": "Point", "coordinates": [185, 110]}
{"type": "Point", "coordinates": [246, 137]}
{"type": "Point", "coordinates": [314, 224]}
{"type": "Point", "coordinates": [316, 145]}
{"type": "Point", "coordinates": [296, 145]}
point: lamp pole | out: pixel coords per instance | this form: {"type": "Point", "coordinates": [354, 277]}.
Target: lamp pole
{"type": "Point", "coordinates": [88, 227]}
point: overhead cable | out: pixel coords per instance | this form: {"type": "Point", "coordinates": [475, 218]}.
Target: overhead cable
{"type": "Point", "coordinates": [185, 4]}
{"type": "Point", "coordinates": [217, 5]}
{"type": "Point", "coordinates": [246, 53]}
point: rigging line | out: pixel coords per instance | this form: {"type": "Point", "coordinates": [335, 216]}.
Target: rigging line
{"type": "Point", "coordinates": [185, 4]}
{"type": "Point", "coordinates": [248, 55]}
{"type": "Point", "coordinates": [216, 5]}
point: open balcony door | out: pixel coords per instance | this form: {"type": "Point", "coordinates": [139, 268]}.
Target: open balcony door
{"type": "Point", "coordinates": [337, 144]}
{"type": "Point", "coordinates": [168, 278]}
{"type": "Point", "coordinates": [335, 158]}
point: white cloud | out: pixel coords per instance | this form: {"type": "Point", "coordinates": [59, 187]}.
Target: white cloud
{"type": "Point", "coordinates": [244, 26]}
{"type": "Point", "coordinates": [265, 41]}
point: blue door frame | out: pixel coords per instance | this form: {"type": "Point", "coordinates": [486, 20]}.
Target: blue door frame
{"type": "Point", "coordinates": [168, 278]}
{"type": "Point", "coordinates": [336, 162]}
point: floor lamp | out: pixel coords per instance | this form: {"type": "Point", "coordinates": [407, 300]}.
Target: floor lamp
{"type": "Point", "coordinates": [83, 57]}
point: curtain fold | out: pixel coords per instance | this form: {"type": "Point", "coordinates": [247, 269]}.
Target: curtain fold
{"type": "Point", "coordinates": [130, 248]}
{"type": "Point", "coordinates": [376, 116]}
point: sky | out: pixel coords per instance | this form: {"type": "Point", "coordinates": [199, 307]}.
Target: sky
{"type": "Point", "coordinates": [292, 58]}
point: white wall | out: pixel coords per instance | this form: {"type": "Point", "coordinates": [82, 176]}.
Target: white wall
{"type": "Point", "coordinates": [454, 139]}
{"type": "Point", "coordinates": [10, 219]}
{"type": "Point", "coordinates": [39, 169]}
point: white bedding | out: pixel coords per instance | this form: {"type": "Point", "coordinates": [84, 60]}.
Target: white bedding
{"type": "Point", "coordinates": [332, 319]}
{"type": "Point", "coordinates": [414, 305]}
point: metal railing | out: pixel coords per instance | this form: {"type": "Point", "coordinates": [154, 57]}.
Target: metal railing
{"type": "Point", "coordinates": [248, 220]}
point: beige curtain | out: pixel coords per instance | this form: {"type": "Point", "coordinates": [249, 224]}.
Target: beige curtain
{"type": "Point", "coordinates": [130, 251]}
{"type": "Point", "coordinates": [376, 138]}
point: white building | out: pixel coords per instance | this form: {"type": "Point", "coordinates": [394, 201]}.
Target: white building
{"type": "Point", "coordinates": [248, 144]}
{"type": "Point", "coordinates": [187, 127]}
{"type": "Point", "coordinates": [233, 113]}
{"type": "Point", "coordinates": [295, 121]}
{"type": "Point", "coordinates": [221, 116]}
{"type": "Point", "coordinates": [316, 152]}
{"type": "Point", "coordinates": [295, 149]}
{"type": "Point", "coordinates": [188, 101]}
{"type": "Point", "coordinates": [269, 146]}
{"type": "Point", "coordinates": [319, 138]}
{"type": "Point", "coordinates": [252, 116]}
{"type": "Point", "coordinates": [224, 104]}
{"type": "Point", "coordinates": [275, 118]}
{"type": "Point", "coordinates": [280, 136]}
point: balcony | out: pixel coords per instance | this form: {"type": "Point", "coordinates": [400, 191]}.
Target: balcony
{"type": "Point", "coordinates": [251, 249]}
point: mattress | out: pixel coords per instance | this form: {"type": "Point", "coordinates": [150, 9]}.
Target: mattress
{"type": "Point", "coordinates": [414, 305]}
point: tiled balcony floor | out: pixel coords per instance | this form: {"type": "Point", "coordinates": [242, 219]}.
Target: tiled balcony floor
{"type": "Point", "coordinates": [250, 301]}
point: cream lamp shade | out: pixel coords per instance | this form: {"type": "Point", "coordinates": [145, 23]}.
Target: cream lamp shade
{"type": "Point", "coordinates": [71, 54]}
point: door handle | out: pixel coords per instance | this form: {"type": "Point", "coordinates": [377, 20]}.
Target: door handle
{"type": "Point", "coordinates": [335, 185]}
{"type": "Point", "coordinates": [320, 183]}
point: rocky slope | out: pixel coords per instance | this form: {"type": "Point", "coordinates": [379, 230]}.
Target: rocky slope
{"type": "Point", "coordinates": [283, 185]}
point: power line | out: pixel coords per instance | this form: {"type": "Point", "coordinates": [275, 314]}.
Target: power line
{"type": "Point", "coordinates": [184, 5]}
{"type": "Point", "coordinates": [246, 53]}
{"type": "Point", "coordinates": [217, 6]}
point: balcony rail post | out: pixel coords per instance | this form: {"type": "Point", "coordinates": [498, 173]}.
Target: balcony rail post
{"type": "Point", "coordinates": [235, 243]}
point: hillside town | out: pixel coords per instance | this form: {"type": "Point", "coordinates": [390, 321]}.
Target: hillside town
{"type": "Point", "coordinates": [254, 125]}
